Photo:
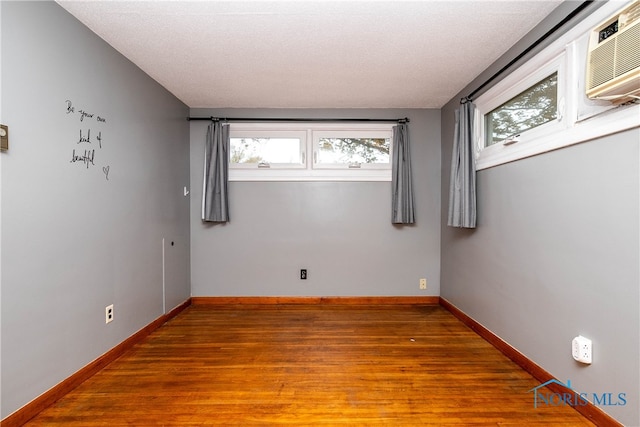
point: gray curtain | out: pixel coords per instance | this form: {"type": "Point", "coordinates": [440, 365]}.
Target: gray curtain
{"type": "Point", "coordinates": [401, 187]}
{"type": "Point", "coordinates": [462, 188]}
{"type": "Point", "coordinates": [215, 197]}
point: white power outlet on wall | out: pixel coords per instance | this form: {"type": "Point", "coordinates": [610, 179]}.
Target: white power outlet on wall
{"type": "Point", "coordinates": [108, 314]}
{"type": "Point", "coordinates": [581, 349]}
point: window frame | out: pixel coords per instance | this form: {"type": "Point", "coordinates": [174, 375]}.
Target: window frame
{"type": "Point", "coordinates": [309, 170]}
{"type": "Point", "coordinates": [488, 117]}
{"type": "Point", "coordinates": [369, 132]}
{"type": "Point", "coordinates": [579, 118]}
{"type": "Point", "coordinates": [507, 89]}
{"type": "Point", "coordinates": [254, 133]}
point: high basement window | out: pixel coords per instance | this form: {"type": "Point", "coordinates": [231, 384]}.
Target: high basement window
{"type": "Point", "coordinates": [310, 152]}
{"type": "Point", "coordinates": [542, 106]}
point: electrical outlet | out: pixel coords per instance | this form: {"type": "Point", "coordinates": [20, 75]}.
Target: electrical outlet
{"type": "Point", "coordinates": [581, 349]}
{"type": "Point", "coordinates": [108, 314]}
{"type": "Point", "coordinates": [423, 283]}
{"type": "Point", "coordinates": [303, 274]}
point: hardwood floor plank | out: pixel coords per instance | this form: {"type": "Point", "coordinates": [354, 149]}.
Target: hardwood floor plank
{"type": "Point", "coordinates": [350, 365]}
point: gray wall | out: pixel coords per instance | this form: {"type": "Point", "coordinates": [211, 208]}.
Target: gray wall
{"type": "Point", "coordinates": [340, 231]}
{"type": "Point", "coordinates": [555, 255]}
{"type": "Point", "coordinates": [74, 241]}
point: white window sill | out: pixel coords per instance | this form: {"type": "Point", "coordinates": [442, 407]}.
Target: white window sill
{"type": "Point", "coordinates": [309, 175]}
{"type": "Point", "coordinates": [607, 123]}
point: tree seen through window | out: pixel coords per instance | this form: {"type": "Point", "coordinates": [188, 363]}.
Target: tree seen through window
{"type": "Point", "coordinates": [531, 108]}
{"type": "Point", "coordinates": [353, 150]}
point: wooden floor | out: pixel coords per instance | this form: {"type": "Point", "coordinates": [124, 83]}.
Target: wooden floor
{"type": "Point", "coordinates": [309, 365]}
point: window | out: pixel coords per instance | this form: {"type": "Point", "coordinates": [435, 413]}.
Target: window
{"type": "Point", "coordinates": [542, 106]}
{"type": "Point", "coordinates": [521, 110]}
{"type": "Point", "coordinates": [351, 149]}
{"type": "Point", "coordinates": [310, 152]}
{"type": "Point", "coordinates": [267, 149]}
{"type": "Point", "coordinates": [529, 109]}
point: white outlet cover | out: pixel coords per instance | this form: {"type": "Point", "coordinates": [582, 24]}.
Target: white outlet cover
{"type": "Point", "coordinates": [108, 313]}
{"type": "Point", "coordinates": [581, 349]}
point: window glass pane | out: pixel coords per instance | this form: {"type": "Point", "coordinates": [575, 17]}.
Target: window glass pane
{"type": "Point", "coordinates": [531, 108]}
{"type": "Point", "coordinates": [353, 150]}
{"type": "Point", "coordinates": [265, 150]}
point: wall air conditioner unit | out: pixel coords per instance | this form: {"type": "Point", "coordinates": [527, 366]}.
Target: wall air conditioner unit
{"type": "Point", "coordinates": [613, 61]}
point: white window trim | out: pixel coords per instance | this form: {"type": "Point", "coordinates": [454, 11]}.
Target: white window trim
{"type": "Point", "coordinates": [308, 171]}
{"type": "Point", "coordinates": [521, 80]}
{"type": "Point", "coordinates": [300, 134]}
{"type": "Point", "coordinates": [368, 132]}
{"type": "Point", "coordinates": [579, 119]}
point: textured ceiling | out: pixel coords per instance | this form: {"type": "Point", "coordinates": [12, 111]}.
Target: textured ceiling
{"type": "Point", "coordinates": [312, 54]}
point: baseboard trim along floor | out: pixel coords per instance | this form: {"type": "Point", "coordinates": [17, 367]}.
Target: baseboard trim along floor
{"type": "Point", "coordinates": [590, 411]}
{"type": "Point", "coordinates": [30, 410]}
{"type": "Point", "coordinates": [52, 395]}
{"type": "Point", "coordinates": [377, 300]}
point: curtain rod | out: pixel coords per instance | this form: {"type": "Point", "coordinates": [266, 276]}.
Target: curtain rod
{"type": "Point", "coordinates": [535, 44]}
{"type": "Point", "coordinates": [254, 119]}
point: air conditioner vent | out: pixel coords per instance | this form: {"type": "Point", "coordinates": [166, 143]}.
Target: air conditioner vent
{"type": "Point", "coordinates": [613, 65]}
{"type": "Point", "coordinates": [601, 64]}
{"type": "Point", "coordinates": [628, 57]}
{"type": "Point", "coordinates": [631, 16]}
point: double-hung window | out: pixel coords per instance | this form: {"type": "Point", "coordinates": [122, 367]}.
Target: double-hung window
{"type": "Point", "coordinates": [310, 152]}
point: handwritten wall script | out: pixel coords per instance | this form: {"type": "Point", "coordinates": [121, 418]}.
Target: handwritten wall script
{"type": "Point", "coordinates": [89, 141]}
